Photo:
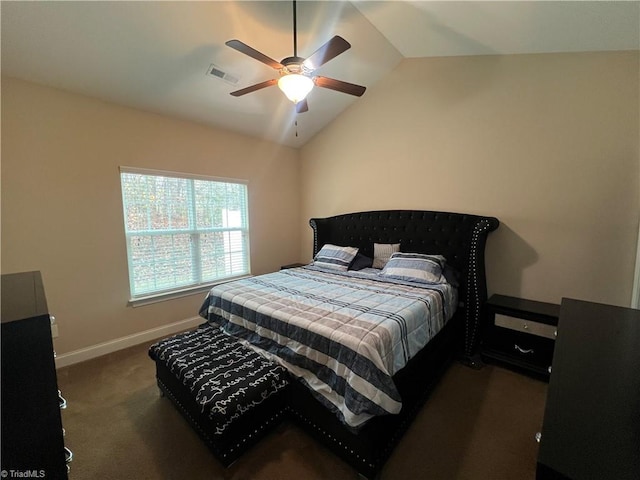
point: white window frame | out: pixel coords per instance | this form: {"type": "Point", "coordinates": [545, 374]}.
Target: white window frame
{"type": "Point", "coordinates": [153, 297]}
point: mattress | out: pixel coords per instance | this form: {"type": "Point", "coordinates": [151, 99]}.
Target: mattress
{"type": "Point", "coordinates": [343, 334]}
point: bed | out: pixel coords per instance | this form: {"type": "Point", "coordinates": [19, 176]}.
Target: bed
{"type": "Point", "coordinates": [366, 346]}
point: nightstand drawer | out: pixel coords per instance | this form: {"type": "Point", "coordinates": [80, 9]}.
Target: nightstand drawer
{"type": "Point", "coordinates": [526, 326]}
{"type": "Point", "coordinates": [525, 348]}
{"type": "Point", "coordinates": [292, 265]}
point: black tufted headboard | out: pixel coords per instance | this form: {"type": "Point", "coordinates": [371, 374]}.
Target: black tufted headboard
{"type": "Point", "coordinates": [459, 237]}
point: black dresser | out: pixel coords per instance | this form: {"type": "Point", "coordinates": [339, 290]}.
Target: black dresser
{"type": "Point", "coordinates": [32, 435]}
{"type": "Point", "coordinates": [591, 428]}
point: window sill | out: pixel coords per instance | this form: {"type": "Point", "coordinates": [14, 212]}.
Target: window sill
{"type": "Point", "coordinates": [163, 297]}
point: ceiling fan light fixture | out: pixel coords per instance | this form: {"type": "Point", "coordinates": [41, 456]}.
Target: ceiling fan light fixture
{"type": "Point", "coordinates": [297, 77]}
{"type": "Point", "coordinates": [295, 86]}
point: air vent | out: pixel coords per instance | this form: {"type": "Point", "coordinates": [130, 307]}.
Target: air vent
{"type": "Point", "coordinates": [217, 72]}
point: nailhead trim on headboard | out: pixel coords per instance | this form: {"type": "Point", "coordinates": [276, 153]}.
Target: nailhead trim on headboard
{"type": "Point", "coordinates": [475, 292]}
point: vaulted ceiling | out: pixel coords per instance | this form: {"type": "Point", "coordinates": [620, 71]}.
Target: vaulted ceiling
{"type": "Point", "coordinates": [156, 56]}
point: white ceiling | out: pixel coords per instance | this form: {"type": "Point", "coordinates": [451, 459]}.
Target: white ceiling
{"type": "Point", "coordinates": [155, 55]}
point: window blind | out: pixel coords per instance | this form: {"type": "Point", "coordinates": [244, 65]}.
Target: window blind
{"type": "Point", "coordinates": [183, 231]}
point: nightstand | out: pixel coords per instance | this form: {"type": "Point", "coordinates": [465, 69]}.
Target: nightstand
{"type": "Point", "coordinates": [520, 333]}
{"type": "Point", "coordinates": [292, 265]}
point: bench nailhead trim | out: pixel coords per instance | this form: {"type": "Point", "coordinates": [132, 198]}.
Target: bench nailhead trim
{"type": "Point", "coordinates": [210, 441]}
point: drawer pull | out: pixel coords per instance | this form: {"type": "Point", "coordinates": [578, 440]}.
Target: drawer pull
{"type": "Point", "coordinates": [61, 401]}
{"type": "Point", "coordinates": [68, 455]}
{"type": "Point", "coordinates": [538, 437]}
{"type": "Point", "coordinates": [523, 350]}
{"type": "Point", "coordinates": [68, 458]}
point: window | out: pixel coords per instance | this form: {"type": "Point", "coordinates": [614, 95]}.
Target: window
{"type": "Point", "coordinates": [182, 231]}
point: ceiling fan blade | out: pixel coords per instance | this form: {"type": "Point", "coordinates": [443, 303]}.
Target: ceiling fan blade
{"type": "Point", "coordinates": [253, 53]}
{"type": "Point", "coordinates": [329, 50]}
{"type": "Point", "coordinates": [340, 86]}
{"type": "Point", "coordinates": [302, 106]}
{"type": "Point", "coordinates": [255, 87]}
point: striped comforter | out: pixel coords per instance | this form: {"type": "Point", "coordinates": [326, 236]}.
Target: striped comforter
{"type": "Point", "coordinates": [344, 334]}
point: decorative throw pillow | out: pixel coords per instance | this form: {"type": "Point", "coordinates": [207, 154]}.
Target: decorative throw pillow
{"type": "Point", "coordinates": [415, 267]}
{"type": "Point", "coordinates": [382, 252]}
{"type": "Point", "coordinates": [361, 261]}
{"type": "Point", "coordinates": [335, 257]}
{"type": "Point", "coordinates": [452, 275]}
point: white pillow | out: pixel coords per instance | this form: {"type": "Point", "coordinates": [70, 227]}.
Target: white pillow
{"type": "Point", "coordinates": [335, 257]}
{"type": "Point", "coordinates": [382, 252]}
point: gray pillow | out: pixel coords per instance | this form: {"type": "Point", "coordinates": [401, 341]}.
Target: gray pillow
{"type": "Point", "coordinates": [335, 257]}
{"type": "Point", "coordinates": [382, 252]}
{"type": "Point", "coordinates": [415, 267]}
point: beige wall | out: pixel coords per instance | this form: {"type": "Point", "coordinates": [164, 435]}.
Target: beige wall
{"type": "Point", "coordinates": [546, 143]}
{"type": "Point", "coordinates": [62, 209]}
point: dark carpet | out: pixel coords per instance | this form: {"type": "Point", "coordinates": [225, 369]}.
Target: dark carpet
{"type": "Point", "coordinates": [477, 424]}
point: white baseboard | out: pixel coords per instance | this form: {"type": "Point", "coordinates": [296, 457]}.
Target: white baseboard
{"type": "Point", "coordinates": [111, 346]}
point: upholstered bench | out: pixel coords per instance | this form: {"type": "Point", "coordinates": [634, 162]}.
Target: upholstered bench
{"type": "Point", "coordinates": [230, 394]}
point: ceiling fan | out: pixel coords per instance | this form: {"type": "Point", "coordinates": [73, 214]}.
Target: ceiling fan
{"type": "Point", "coordinates": [296, 73]}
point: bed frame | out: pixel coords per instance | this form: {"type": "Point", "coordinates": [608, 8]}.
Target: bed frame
{"type": "Point", "coordinates": [461, 239]}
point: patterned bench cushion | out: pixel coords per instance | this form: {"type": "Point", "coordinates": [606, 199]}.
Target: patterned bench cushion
{"type": "Point", "coordinates": [226, 378]}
